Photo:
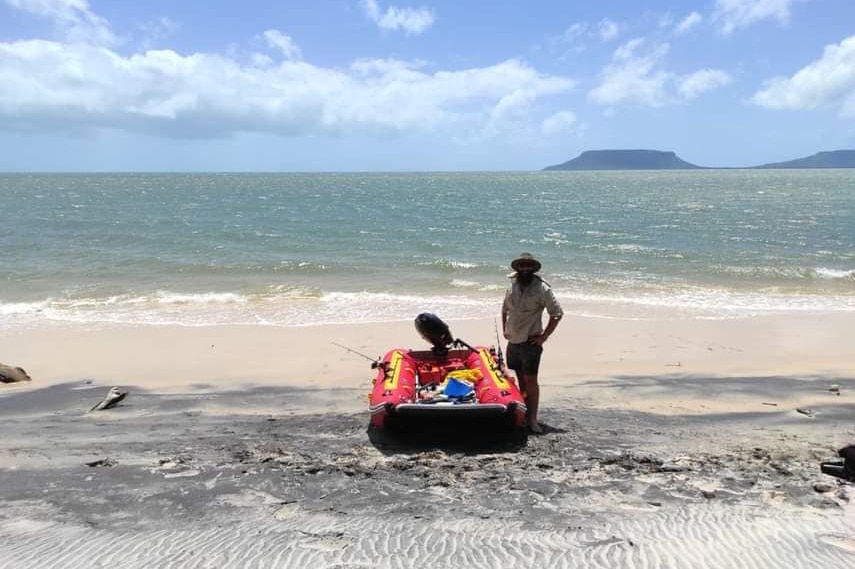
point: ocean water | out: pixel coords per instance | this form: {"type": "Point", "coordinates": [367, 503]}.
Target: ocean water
{"type": "Point", "coordinates": [303, 249]}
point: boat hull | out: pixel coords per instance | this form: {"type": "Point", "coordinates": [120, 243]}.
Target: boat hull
{"type": "Point", "coordinates": [409, 384]}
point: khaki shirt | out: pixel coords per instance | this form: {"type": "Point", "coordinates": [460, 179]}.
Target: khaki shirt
{"type": "Point", "coordinates": [524, 307]}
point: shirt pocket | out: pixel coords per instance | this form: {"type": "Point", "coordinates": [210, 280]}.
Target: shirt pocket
{"type": "Point", "coordinates": [530, 304]}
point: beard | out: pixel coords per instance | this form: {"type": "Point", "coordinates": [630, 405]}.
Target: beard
{"type": "Point", "coordinates": [525, 278]}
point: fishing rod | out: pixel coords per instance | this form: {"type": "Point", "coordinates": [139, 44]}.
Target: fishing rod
{"type": "Point", "coordinates": [375, 362]}
{"type": "Point", "coordinates": [498, 345]}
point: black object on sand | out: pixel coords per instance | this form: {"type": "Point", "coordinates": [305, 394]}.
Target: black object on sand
{"type": "Point", "coordinates": [844, 469]}
{"type": "Point", "coordinates": [102, 462]}
{"type": "Point", "coordinates": [9, 374]}
{"type": "Point", "coordinates": [110, 400]}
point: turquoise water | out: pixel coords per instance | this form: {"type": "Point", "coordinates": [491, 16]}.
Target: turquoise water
{"type": "Point", "coordinates": [295, 249]}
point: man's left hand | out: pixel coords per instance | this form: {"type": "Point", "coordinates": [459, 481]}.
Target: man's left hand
{"type": "Point", "coordinates": [539, 340]}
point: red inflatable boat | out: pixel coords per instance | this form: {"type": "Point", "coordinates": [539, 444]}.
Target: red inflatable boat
{"type": "Point", "coordinates": [451, 379]}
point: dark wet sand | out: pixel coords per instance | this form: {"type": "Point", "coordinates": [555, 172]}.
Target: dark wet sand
{"type": "Point", "coordinates": [213, 479]}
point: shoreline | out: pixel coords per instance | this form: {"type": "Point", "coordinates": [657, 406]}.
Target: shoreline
{"type": "Point", "coordinates": [308, 305]}
{"type": "Point", "coordinates": [249, 444]}
{"type": "Point", "coordinates": [595, 358]}
{"type": "Point", "coordinates": [582, 346]}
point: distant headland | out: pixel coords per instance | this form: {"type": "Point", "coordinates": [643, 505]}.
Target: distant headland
{"type": "Point", "coordinates": [831, 159]}
{"type": "Point", "coordinates": [662, 160]}
{"type": "Point", "coordinates": [625, 160]}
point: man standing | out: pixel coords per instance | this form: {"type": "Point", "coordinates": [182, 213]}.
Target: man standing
{"type": "Point", "coordinates": [522, 323]}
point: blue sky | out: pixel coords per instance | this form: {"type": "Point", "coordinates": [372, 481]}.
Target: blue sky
{"type": "Point", "coordinates": [354, 85]}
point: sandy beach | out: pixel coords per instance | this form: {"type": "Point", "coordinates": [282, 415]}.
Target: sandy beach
{"type": "Point", "coordinates": [669, 443]}
{"type": "Point", "coordinates": [221, 219]}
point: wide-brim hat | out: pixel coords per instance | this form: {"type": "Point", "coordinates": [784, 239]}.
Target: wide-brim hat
{"type": "Point", "coordinates": [524, 260]}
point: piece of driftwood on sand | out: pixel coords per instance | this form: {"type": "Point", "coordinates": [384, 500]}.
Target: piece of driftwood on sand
{"type": "Point", "coordinates": [9, 374]}
{"type": "Point", "coordinates": [110, 400]}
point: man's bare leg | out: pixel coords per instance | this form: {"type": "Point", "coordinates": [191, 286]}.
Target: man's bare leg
{"type": "Point", "coordinates": [532, 399]}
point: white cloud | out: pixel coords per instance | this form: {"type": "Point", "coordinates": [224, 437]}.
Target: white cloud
{"type": "Point", "coordinates": [572, 40]}
{"type": "Point", "coordinates": [636, 77]}
{"type": "Point", "coordinates": [608, 29]}
{"type": "Point", "coordinates": [625, 51]}
{"type": "Point", "coordinates": [72, 86]}
{"type": "Point", "coordinates": [561, 122]}
{"type": "Point", "coordinates": [735, 14]}
{"type": "Point", "coordinates": [510, 112]}
{"type": "Point", "coordinates": [574, 32]}
{"type": "Point", "coordinates": [72, 18]}
{"type": "Point", "coordinates": [576, 37]}
{"type": "Point", "coordinates": [828, 82]}
{"type": "Point", "coordinates": [155, 31]}
{"type": "Point", "coordinates": [411, 20]}
{"type": "Point", "coordinates": [701, 81]}
{"type": "Point", "coordinates": [283, 43]}
{"type": "Point", "coordinates": [261, 60]}
{"type": "Point", "coordinates": [633, 79]}
{"type": "Point", "coordinates": [49, 86]}
{"type": "Point", "coordinates": [688, 23]}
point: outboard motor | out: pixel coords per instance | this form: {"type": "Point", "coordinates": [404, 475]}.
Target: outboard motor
{"type": "Point", "coordinates": [434, 331]}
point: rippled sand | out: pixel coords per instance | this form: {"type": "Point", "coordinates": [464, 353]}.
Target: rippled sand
{"type": "Point", "coordinates": [211, 478]}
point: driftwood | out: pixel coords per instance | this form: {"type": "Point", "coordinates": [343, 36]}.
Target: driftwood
{"type": "Point", "coordinates": [102, 462]}
{"type": "Point", "coordinates": [110, 400]}
{"type": "Point", "coordinates": [9, 374]}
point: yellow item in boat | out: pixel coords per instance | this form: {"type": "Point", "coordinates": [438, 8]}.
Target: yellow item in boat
{"type": "Point", "coordinates": [470, 375]}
